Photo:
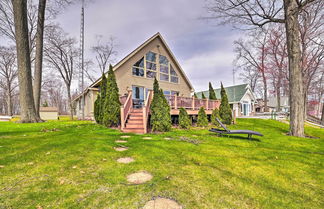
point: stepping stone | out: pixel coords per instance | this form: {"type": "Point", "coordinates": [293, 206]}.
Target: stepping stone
{"type": "Point", "coordinates": [139, 177]}
{"type": "Point", "coordinates": [124, 137]}
{"type": "Point", "coordinates": [120, 149]}
{"type": "Point", "coordinates": [2, 166]}
{"type": "Point", "coordinates": [162, 203]}
{"type": "Point", "coordinates": [121, 141]}
{"type": "Point", "coordinates": [147, 137]}
{"type": "Point", "coordinates": [125, 160]}
{"type": "Point", "coordinates": [167, 138]}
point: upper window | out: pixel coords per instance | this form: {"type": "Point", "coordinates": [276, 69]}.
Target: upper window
{"type": "Point", "coordinates": [152, 64]}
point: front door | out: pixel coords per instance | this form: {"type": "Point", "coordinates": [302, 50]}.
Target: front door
{"type": "Point", "coordinates": [245, 109]}
{"type": "Point", "coordinates": [138, 96]}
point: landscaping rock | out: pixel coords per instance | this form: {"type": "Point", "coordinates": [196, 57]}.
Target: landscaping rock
{"type": "Point", "coordinates": [125, 160]}
{"type": "Point", "coordinates": [139, 177]}
{"type": "Point", "coordinates": [167, 138]}
{"type": "Point", "coordinates": [104, 159]}
{"type": "Point", "coordinates": [2, 166]}
{"type": "Point", "coordinates": [30, 163]}
{"type": "Point", "coordinates": [121, 141]}
{"type": "Point", "coordinates": [162, 203]}
{"type": "Point", "coordinates": [124, 137]}
{"type": "Point", "coordinates": [120, 149]}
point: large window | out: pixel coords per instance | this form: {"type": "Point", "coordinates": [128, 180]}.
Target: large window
{"type": "Point", "coordinates": [149, 67]}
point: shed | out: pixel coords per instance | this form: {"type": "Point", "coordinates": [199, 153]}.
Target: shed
{"type": "Point", "coordinates": [48, 113]}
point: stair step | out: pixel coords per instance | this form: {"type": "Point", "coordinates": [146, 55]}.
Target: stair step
{"type": "Point", "coordinates": [137, 110]}
{"type": "Point", "coordinates": [134, 130]}
{"type": "Point", "coordinates": [136, 113]}
{"type": "Point", "coordinates": [130, 125]}
{"type": "Point", "coordinates": [138, 117]}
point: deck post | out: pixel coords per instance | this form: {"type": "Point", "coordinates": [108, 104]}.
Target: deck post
{"type": "Point", "coordinates": [193, 103]}
{"type": "Point", "coordinates": [207, 104]}
{"type": "Point", "coordinates": [175, 102]}
{"type": "Point", "coordinates": [122, 122]}
{"type": "Point", "coordinates": [144, 119]}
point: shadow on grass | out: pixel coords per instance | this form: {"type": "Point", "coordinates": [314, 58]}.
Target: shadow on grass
{"type": "Point", "coordinates": [236, 137]}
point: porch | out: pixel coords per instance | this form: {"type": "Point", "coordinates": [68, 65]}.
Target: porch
{"type": "Point", "coordinates": [135, 114]}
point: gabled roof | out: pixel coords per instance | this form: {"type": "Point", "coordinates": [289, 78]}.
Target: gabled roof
{"type": "Point", "coordinates": [234, 93]}
{"type": "Point", "coordinates": [157, 35]}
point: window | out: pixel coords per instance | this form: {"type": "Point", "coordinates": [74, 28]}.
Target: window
{"type": "Point", "coordinates": [174, 75]}
{"type": "Point", "coordinates": [138, 68]}
{"type": "Point", "coordinates": [164, 68]}
{"type": "Point", "coordinates": [166, 92]}
{"type": "Point", "coordinates": [150, 58]}
{"type": "Point", "coordinates": [174, 93]}
{"type": "Point", "coordinates": [150, 74]}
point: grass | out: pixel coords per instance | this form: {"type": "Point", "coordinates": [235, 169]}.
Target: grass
{"type": "Point", "coordinates": [64, 168]}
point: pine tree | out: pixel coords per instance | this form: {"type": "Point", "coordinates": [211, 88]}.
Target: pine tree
{"type": "Point", "coordinates": [214, 115]}
{"type": "Point", "coordinates": [225, 111]}
{"type": "Point", "coordinates": [160, 110]}
{"type": "Point", "coordinates": [195, 95]}
{"type": "Point", "coordinates": [184, 120]}
{"type": "Point", "coordinates": [212, 94]}
{"type": "Point", "coordinates": [203, 95]}
{"type": "Point", "coordinates": [97, 109]}
{"type": "Point", "coordinates": [202, 118]}
{"type": "Point", "coordinates": [101, 105]}
{"type": "Point", "coordinates": [111, 114]}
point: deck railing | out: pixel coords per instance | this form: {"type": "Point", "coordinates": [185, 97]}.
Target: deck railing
{"type": "Point", "coordinates": [146, 109]}
{"type": "Point", "coordinates": [125, 109]}
{"type": "Point", "coordinates": [191, 103]}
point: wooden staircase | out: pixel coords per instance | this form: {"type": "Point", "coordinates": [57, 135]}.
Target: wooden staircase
{"type": "Point", "coordinates": [134, 122]}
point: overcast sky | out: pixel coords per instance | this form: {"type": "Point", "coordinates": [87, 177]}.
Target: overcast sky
{"type": "Point", "coordinates": [203, 49]}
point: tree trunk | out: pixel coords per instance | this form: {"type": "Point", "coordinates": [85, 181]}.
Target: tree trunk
{"type": "Point", "coordinates": [278, 97]}
{"type": "Point", "coordinates": [27, 108]}
{"type": "Point", "coordinates": [297, 107]}
{"type": "Point", "coordinates": [265, 93]}
{"type": "Point", "coordinates": [70, 101]}
{"type": "Point", "coordinates": [39, 54]}
{"type": "Point", "coordinates": [9, 101]}
{"type": "Point", "coordinates": [322, 118]}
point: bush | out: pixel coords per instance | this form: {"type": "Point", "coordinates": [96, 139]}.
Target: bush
{"type": "Point", "coordinates": [160, 110]}
{"type": "Point", "coordinates": [97, 109]}
{"type": "Point", "coordinates": [225, 111]}
{"type": "Point", "coordinates": [212, 94]}
{"type": "Point", "coordinates": [202, 118]}
{"type": "Point", "coordinates": [111, 114]}
{"type": "Point", "coordinates": [214, 115]}
{"type": "Point", "coordinates": [203, 95]}
{"type": "Point", "coordinates": [184, 120]}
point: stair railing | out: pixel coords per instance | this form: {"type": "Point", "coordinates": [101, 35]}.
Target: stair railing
{"type": "Point", "coordinates": [146, 109]}
{"type": "Point", "coordinates": [125, 109]}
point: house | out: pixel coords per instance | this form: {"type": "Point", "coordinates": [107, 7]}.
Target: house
{"type": "Point", "coordinates": [48, 113]}
{"type": "Point", "coordinates": [284, 104]}
{"type": "Point", "coordinates": [135, 76]}
{"type": "Point", "coordinates": [240, 97]}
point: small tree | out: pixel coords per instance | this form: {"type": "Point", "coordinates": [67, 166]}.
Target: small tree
{"type": "Point", "coordinates": [101, 102]}
{"type": "Point", "coordinates": [202, 118]}
{"type": "Point", "coordinates": [195, 95]}
{"type": "Point", "coordinates": [225, 111]}
{"type": "Point", "coordinates": [160, 110]}
{"type": "Point", "coordinates": [203, 95]}
{"type": "Point", "coordinates": [111, 115]}
{"type": "Point", "coordinates": [212, 94]}
{"type": "Point", "coordinates": [97, 109]}
{"type": "Point", "coordinates": [184, 120]}
{"type": "Point", "coordinates": [214, 115]}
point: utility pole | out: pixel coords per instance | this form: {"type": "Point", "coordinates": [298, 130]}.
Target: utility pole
{"type": "Point", "coordinates": [82, 58]}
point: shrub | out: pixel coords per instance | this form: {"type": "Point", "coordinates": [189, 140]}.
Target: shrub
{"type": "Point", "coordinates": [195, 95]}
{"type": "Point", "coordinates": [160, 110]}
{"type": "Point", "coordinates": [112, 104]}
{"type": "Point", "coordinates": [97, 109]}
{"type": "Point", "coordinates": [101, 105]}
{"type": "Point", "coordinates": [203, 95]}
{"type": "Point", "coordinates": [202, 118]}
{"type": "Point", "coordinates": [214, 115]}
{"type": "Point", "coordinates": [212, 94]}
{"type": "Point", "coordinates": [184, 120]}
{"type": "Point", "coordinates": [225, 111]}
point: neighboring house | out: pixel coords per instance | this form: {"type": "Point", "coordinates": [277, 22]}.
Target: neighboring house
{"type": "Point", "coordinates": [48, 113]}
{"type": "Point", "coordinates": [240, 97]}
{"type": "Point", "coordinates": [135, 76]}
{"type": "Point", "coordinates": [284, 104]}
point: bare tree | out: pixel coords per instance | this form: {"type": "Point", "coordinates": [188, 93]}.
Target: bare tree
{"type": "Point", "coordinates": [8, 74]}
{"type": "Point", "coordinates": [258, 13]}
{"type": "Point", "coordinates": [104, 52]}
{"type": "Point", "coordinates": [253, 54]}
{"type": "Point", "coordinates": [61, 54]}
{"type": "Point", "coordinates": [251, 76]}
{"type": "Point", "coordinates": [28, 113]}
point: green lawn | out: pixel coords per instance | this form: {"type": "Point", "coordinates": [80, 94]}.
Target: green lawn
{"type": "Point", "coordinates": [64, 168]}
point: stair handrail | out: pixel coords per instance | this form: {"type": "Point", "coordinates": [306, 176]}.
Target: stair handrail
{"type": "Point", "coordinates": [126, 109]}
{"type": "Point", "coordinates": [146, 109]}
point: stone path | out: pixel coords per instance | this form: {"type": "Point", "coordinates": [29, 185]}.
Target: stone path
{"type": "Point", "coordinates": [162, 203]}
{"type": "Point", "coordinates": [144, 176]}
{"type": "Point", "coordinates": [139, 177]}
{"type": "Point", "coordinates": [125, 160]}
